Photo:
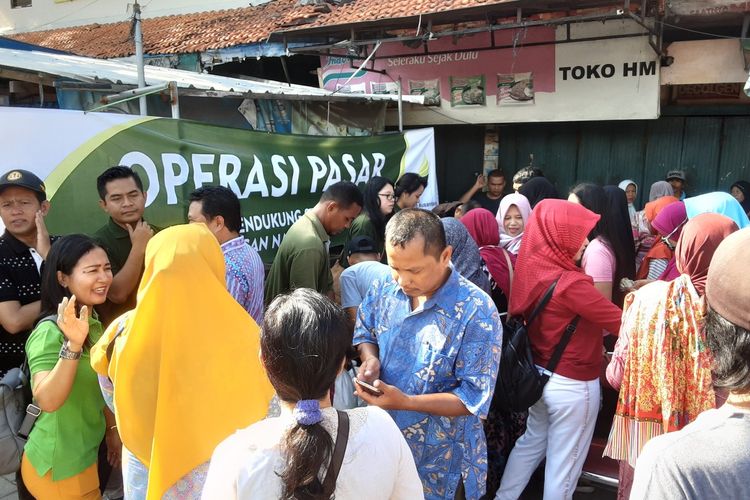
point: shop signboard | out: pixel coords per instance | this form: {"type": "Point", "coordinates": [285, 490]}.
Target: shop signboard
{"type": "Point", "coordinates": [276, 176]}
{"type": "Point", "coordinates": [538, 75]}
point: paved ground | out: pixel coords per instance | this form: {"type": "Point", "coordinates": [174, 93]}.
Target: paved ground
{"type": "Point", "coordinates": [533, 491]}
{"type": "Point", "coordinates": [8, 487]}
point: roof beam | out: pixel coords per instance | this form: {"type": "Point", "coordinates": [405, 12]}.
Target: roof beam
{"type": "Point", "coordinates": [619, 14]}
{"type": "Point", "coordinates": [13, 74]}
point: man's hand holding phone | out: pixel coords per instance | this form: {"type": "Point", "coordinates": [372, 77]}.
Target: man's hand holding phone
{"type": "Point", "coordinates": [369, 370]}
{"type": "Point", "coordinates": [389, 398]}
{"type": "Point", "coordinates": [368, 387]}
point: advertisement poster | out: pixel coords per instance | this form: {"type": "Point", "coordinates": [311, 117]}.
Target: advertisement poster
{"type": "Point", "coordinates": [468, 91]}
{"type": "Point", "coordinates": [514, 89]}
{"type": "Point", "coordinates": [430, 89]}
{"type": "Point", "coordinates": [277, 177]}
{"type": "Point", "coordinates": [384, 88]}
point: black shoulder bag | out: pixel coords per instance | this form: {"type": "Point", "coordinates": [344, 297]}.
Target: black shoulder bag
{"type": "Point", "coordinates": [18, 413]}
{"type": "Point", "coordinates": [519, 382]}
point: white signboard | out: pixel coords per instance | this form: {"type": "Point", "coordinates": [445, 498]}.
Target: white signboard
{"type": "Point", "coordinates": [543, 78]}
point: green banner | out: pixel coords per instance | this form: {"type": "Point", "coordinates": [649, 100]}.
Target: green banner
{"type": "Point", "coordinates": [275, 176]}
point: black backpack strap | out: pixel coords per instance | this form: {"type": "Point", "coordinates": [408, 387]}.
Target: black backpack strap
{"type": "Point", "coordinates": [566, 336]}
{"type": "Point", "coordinates": [51, 317]}
{"type": "Point", "coordinates": [25, 370]}
{"type": "Point", "coordinates": [547, 296]}
{"type": "Point", "coordinates": [342, 438]}
{"type": "Point", "coordinates": [32, 410]}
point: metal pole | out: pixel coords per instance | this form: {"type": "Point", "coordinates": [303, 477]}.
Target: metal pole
{"type": "Point", "coordinates": [139, 55]}
{"type": "Point", "coordinates": [139, 92]}
{"type": "Point", "coordinates": [400, 107]}
{"type": "Point", "coordinates": [174, 99]}
{"type": "Point", "coordinates": [129, 95]}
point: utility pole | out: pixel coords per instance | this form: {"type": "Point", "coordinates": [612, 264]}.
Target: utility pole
{"type": "Point", "coordinates": [138, 35]}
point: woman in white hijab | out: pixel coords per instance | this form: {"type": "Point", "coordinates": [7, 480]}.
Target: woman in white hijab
{"type": "Point", "coordinates": [511, 219]}
{"type": "Point", "coordinates": [631, 191]}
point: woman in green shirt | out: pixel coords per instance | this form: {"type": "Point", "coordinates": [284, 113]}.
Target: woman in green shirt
{"type": "Point", "coordinates": [59, 460]}
{"type": "Point", "coordinates": [379, 201]}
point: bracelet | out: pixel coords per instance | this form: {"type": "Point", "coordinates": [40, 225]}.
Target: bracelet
{"type": "Point", "coordinates": [113, 427]}
{"type": "Point", "coordinates": [66, 353]}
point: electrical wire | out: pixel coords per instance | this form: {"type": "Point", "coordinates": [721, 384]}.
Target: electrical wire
{"type": "Point", "coordinates": [377, 46]}
{"type": "Point", "coordinates": [434, 109]}
{"type": "Point", "coordinates": [35, 28]}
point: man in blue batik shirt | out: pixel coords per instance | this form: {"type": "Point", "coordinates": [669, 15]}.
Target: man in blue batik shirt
{"type": "Point", "coordinates": [430, 342]}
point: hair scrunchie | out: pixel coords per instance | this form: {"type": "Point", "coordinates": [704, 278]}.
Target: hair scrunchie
{"type": "Point", "coordinates": [307, 412]}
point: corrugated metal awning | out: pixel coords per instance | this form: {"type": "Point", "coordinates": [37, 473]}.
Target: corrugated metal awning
{"type": "Point", "coordinates": [90, 70]}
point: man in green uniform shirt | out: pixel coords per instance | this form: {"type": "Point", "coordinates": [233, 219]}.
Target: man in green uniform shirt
{"type": "Point", "coordinates": [124, 237]}
{"type": "Point", "coordinates": [302, 258]}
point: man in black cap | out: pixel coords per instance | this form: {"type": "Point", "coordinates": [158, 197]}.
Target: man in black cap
{"type": "Point", "coordinates": [677, 179]}
{"type": "Point", "coordinates": [364, 269]}
{"type": "Point", "coordinates": [23, 248]}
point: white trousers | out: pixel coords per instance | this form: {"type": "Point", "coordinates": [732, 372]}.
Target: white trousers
{"type": "Point", "coordinates": [560, 426]}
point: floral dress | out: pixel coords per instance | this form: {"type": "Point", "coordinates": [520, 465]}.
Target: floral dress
{"type": "Point", "coordinates": [135, 474]}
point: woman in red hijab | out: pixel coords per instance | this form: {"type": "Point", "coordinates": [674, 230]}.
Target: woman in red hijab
{"type": "Point", "coordinates": [660, 364]}
{"type": "Point", "coordinates": [561, 423]}
{"type": "Point", "coordinates": [482, 226]}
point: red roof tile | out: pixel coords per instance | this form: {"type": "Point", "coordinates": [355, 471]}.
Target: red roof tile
{"type": "Point", "coordinates": [202, 31]}
{"type": "Point", "coordinates": [372, 11]}
{"type": "Point", "coordinates": [178, 34]}
{"type": "Point", "coordinates": [360, 11]}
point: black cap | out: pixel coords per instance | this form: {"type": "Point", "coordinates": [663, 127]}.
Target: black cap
{"type": "Point", "coordinates": [24, 179]}
{"type": "Point", "coordinates": [676, 174]}
{"type": "Point", "coordinates": [361, 244]}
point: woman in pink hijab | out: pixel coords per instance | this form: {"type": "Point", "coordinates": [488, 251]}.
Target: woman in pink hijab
{"type": "Point", "coordinates": [511, 220]}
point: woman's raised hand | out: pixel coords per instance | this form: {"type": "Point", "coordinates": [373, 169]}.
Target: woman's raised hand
{"type": "Point", "coordinates": [75, 327]}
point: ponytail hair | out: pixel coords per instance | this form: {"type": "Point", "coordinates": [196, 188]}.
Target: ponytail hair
{"type": "Point", "coordinates": [304, 343]}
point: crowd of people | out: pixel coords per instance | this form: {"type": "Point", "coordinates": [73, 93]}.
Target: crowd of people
{"type": "Point", "coordinates": [167, 361]}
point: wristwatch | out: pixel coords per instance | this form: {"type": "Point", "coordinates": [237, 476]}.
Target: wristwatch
{"type": "Point", "coordinates": [66, 353]}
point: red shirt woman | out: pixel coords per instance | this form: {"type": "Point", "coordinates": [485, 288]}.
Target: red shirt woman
{"type": "Point", "coordinates": [561, 423]}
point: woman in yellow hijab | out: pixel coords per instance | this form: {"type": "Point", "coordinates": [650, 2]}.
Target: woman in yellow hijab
{"type": "Point", "coordinates": [184, 366]}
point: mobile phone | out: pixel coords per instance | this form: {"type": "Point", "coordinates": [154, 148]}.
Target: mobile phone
{"type": "Point", "coordinates": [370, 388]}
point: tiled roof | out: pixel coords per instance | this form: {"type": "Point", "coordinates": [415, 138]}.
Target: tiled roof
{"type": "Point", "coordinates": [180, 34]}
{"type": "Point", "coordinates": [359, 11]}
{"type": "Point", "coordinates": [203, 31]}
{"type": "Point", "coordinates": [353, 12]}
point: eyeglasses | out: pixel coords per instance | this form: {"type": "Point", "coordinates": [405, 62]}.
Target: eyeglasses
{"type": "Point", "coordinates": [391, 197]}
